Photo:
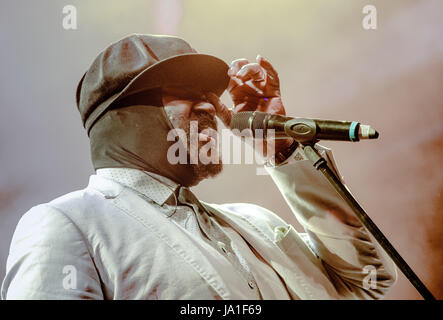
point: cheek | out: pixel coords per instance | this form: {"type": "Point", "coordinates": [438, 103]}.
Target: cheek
{"type": "Point", "coordinates": [178, 115]}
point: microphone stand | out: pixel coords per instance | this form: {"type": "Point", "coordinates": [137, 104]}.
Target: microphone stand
{"type": "Point", "coordinates": [320, 164]}
{"type": "Point", "coordinates": [305, 132]}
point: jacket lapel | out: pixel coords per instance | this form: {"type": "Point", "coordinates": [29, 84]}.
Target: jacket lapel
{"type": "Point", "coordinates": [200, 256]}
{"type": "Point", "coordinates": [303, 274]}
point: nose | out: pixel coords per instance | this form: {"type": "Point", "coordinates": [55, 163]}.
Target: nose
{"type": "Point", "coordinates": [206, 107]}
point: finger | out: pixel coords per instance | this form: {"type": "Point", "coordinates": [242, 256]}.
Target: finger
{"type": "Point", "coordinates": [253, 86]}
{"type": "Point", "coordinates": [222, 111]}
{"type": "Point", "coordinates": [245, 106]}
{"type": "Point", "coordinates": [246, 90]}
{"type": "Point", "coordinates": [263, 62]}
{"type": "Point", "coordinates": [251, 71]}
{"type": "Point", "coordinates": [234, 83]}
{"type": "Point", "coordinates": [236, 65]}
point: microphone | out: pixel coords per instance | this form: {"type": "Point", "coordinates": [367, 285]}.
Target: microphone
{"type": "Point", "coordinates": [300, 129]}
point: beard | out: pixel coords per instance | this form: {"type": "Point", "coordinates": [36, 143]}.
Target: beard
{"type": "Point", "coordinates": [207, 169]}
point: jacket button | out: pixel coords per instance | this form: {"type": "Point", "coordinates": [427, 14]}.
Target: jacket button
{"type": "Point", "coordinates": [251, 284]}
{"type": "Point", "coordinates": [222, 246]}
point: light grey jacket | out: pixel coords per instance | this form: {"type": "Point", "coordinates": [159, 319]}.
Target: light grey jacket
{"type": "Point", "coordinates": [106, 242]}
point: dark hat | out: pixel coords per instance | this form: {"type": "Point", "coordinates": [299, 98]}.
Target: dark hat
{"type": "Point", "coordinates": [142, 62]}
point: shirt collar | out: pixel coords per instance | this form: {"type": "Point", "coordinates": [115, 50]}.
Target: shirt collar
{"type": "Point", "coordinates": [154, 186]}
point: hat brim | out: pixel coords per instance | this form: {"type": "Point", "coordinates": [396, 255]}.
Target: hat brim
{"type": "Point", "coordinates": [194, 70]}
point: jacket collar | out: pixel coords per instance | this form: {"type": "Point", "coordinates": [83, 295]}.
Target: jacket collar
{"type": "Point", "coordinates": [181, 243]}
{"type": "Point", "coordinates": [153, 186]}
{"type": "Point", "coordinates": [111, 181]}
{"type": "Point", "coordinates": [108, 188]}
{"type": "Point", "coordinates": [294, 270]}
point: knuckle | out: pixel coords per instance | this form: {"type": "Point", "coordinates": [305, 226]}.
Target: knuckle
{"type": "Point", "coordinates": [238, 63]}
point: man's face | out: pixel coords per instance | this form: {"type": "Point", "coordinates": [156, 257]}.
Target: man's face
{"type": "Point", "coordinates": [184, 106]}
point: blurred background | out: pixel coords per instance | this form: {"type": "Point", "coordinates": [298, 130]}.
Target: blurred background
{"type": "Point", "coordinates": [329, 67]}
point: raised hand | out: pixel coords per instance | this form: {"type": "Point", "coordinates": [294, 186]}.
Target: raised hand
{"type": "Point", "coordinates": [253, 86]}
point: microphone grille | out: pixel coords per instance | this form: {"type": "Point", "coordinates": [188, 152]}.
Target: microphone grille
{"type": "Point", "coordinates": [241, 120]}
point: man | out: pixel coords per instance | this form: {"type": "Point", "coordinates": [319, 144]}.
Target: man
{"type": "Point", "coordinates": [138, 232]}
